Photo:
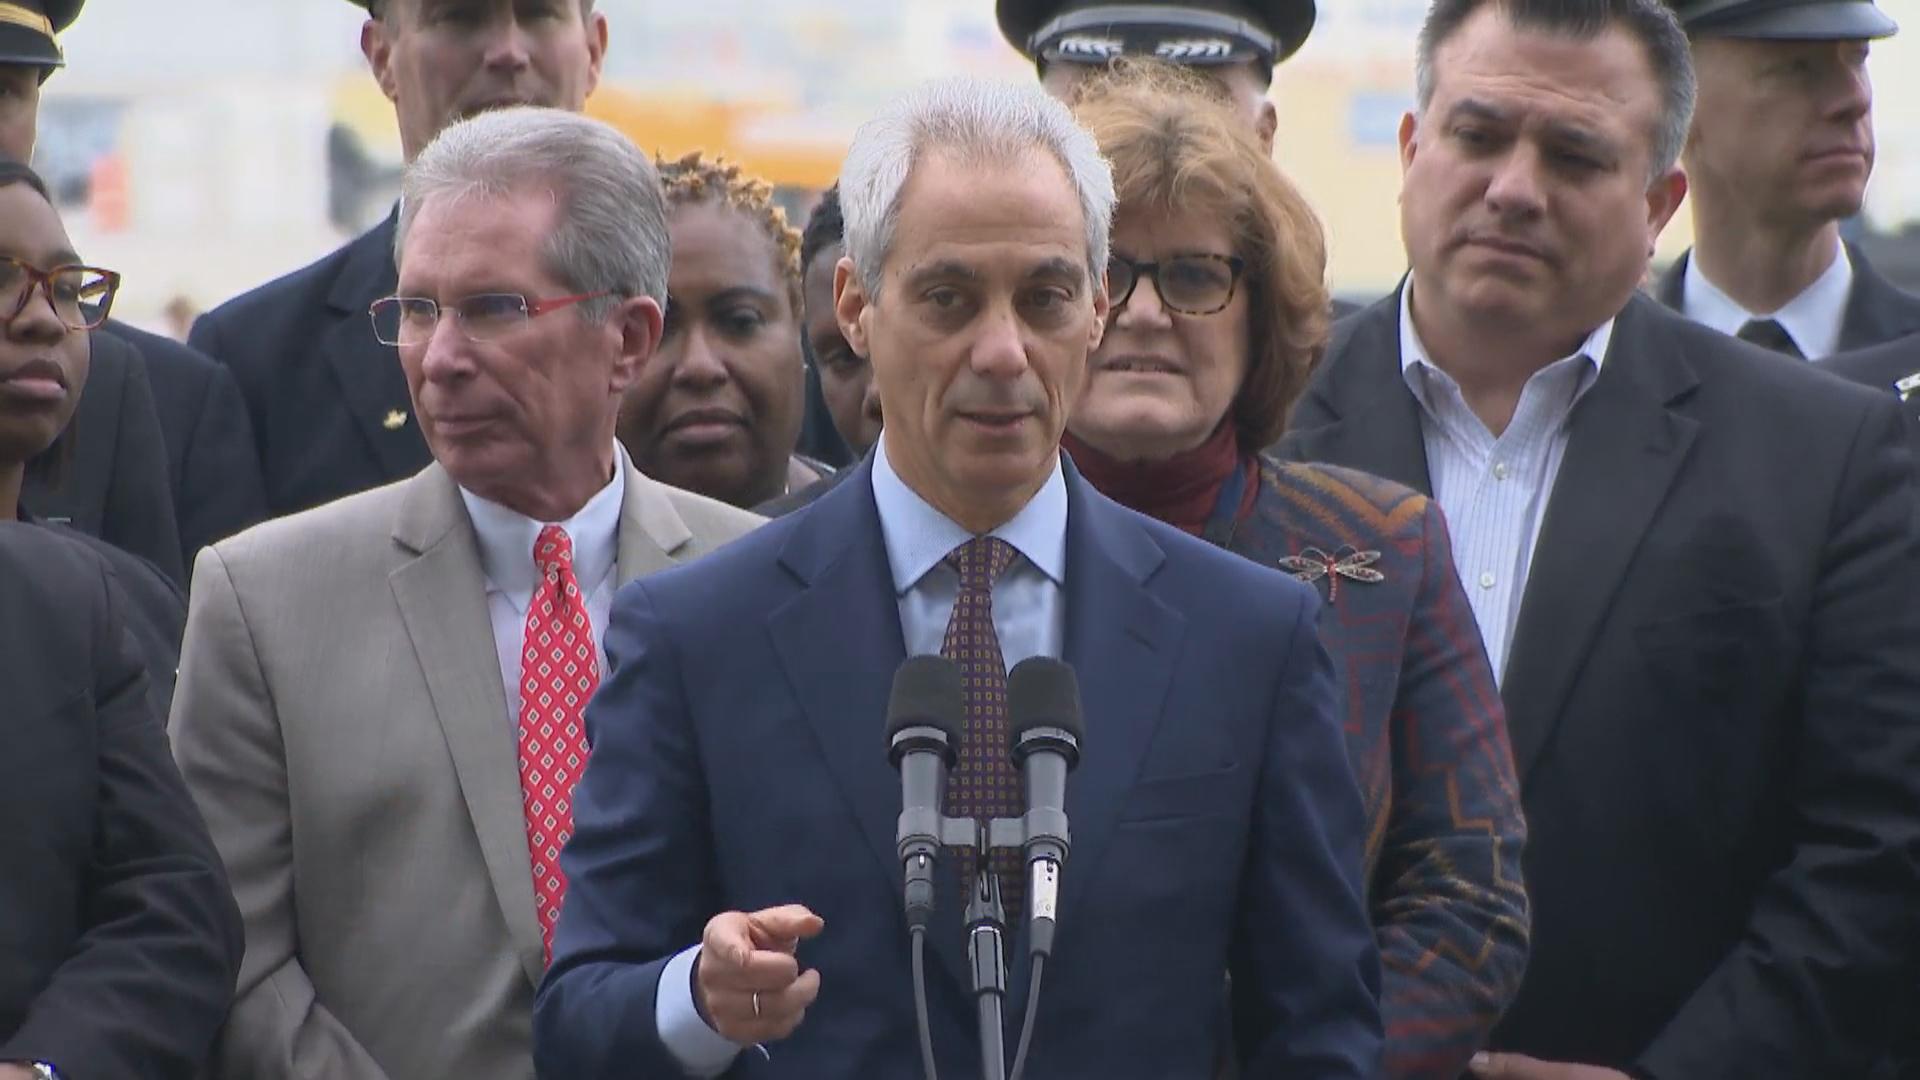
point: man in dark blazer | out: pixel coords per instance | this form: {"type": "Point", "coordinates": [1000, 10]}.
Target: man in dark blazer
{"type": "Point", "coordinates": [1712, 658]}
{"type": "Point", "coordinates": [1781, 150]}
{"type": "Point", "coordinates": [329, 407]}
{"type": "Point", "coordinates": [213, 467]}
{"type": "Point", "coordinates": [1893, 367]}
{"type": "Point", "coordinates": [119, 939]}
{"type": "Point", "coordinates": [739, 781]}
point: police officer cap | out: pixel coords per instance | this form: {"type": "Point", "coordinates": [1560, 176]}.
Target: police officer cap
{"type": "Point", "coordinates": [27, 28]}
{"type": "Point", "coordinates": [1195, 32]}
{"type": "Point", "coordinates": [1785, 20]}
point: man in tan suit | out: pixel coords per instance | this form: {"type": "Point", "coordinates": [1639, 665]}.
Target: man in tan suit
{"type": "Point", "coordinates": [379, 700]}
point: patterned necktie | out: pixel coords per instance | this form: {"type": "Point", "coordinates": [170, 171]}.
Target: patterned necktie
{"type": "Point", "coordinates": [985, 784]}
{"type": "Point", "coordinates": [1769, 334]}
{"type": "Point", "coordinates": [558, 673]}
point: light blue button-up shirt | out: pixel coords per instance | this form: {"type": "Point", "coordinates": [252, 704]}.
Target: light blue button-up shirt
{"type": "Point", "coordinates": [1029, 615]}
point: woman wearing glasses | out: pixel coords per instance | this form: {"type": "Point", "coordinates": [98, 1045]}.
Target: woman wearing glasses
{"type": "Point", "coordinates": [1219, 312]}
{"type": "Point", "coordinates": [51, 302]}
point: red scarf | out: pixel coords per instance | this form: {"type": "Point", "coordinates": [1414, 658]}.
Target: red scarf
{"type": "Point", "coordinates": [1180, 490]}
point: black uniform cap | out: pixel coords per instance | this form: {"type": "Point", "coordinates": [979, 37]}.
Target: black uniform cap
{"type": "Point", "coordinates": [1785, 20]}
{"type": "Point", "coordinates": [27, 28]}
{"type": "Point", "coordinates": [1194, 32]}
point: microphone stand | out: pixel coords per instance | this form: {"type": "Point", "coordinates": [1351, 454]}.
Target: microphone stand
{"type": "Point", "coordinates": [986, 925]}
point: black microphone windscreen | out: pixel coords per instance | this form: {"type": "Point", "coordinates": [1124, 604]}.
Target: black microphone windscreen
{"type": "Point", "coordinates": [1043, 692]}
{"type": "Point", "coordinates": [927, 692]}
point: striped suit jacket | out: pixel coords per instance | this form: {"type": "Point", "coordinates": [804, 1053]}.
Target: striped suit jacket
{"type": "Point", "coordinates": [1428, 741]}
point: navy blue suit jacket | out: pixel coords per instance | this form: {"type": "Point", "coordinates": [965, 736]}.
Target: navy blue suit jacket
{"type": "Point", "coordinates": [739, 763]}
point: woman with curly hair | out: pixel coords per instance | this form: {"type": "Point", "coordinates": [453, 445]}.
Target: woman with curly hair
{"type": "Point", "coordinates": [718, 409]}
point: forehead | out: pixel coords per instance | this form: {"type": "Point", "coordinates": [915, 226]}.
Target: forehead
{"type": "Point", "coordinates": [720, 245]}
{"type": "Point", "coordinates": [29, 227]}
{"type": "Point", "coordinates": [457, 238]}
{"type": "Point", "coordinates": [1605, 81]}
{"type": "Point", "coordinates": [1022, 211]}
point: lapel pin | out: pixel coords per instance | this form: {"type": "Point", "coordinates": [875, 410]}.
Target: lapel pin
{"type": "Point", "coordinates": [1313, 564]}
{"type": "Point", "coordinates": [1908, 386]}
{"type": "Point", "coordinates": [395, 420]}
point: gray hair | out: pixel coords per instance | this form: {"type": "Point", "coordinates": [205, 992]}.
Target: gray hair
{"type": "Point", "coordinates": [1651, 22]}
{"type": "Point", "coordinates": [612, 228]}
{"type": "Point", "coordinates": [983, 121]}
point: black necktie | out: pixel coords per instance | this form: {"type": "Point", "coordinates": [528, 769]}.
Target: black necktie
{"type": "Point", "coordinates": [1769, 334]}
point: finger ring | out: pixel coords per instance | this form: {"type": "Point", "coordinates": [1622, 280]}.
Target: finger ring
{"type": "Point", "coordinates": [756, 1004]}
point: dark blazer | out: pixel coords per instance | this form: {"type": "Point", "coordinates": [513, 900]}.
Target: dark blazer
{"type": "Point", "coordinates": [1877, 309]}
{"type": "Point", "coordinates": [212, 463]}
{"type": "Point", "coordinates": [113, 481]}
{"type": "Point", "coordinates": [1711, 697]}
{"type": "Point", "coordinates": [156, 614]}
{"type": "Point", "coordinates": [1427, 739]}
{"type": "Point", "coordinates": [805, 497]}
{"type": "Point", "coordinates": [119, 939]}
{"type": "Point", "coordinates": [328, 403]}
{"type": "Point", "coordinates": [1883, 367]}
{"type": "Point", "coordinates": [739, 762]}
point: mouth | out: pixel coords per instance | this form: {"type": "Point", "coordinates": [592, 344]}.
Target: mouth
{"type": "Point", "coordinates": [1136, 364]}
{"type": "Point", "coordinates": [37, 381]}
{"type": "Point", "coordinates": [705, 426]}
{"type": "Point", "coordinates": [993, 421]}
{"type": "Point", "coordinates": [468, 112]}
{"type": "Point", "coordinates": [1836, 153]}
{"type": "Point", "coordinates": [1506, 246]}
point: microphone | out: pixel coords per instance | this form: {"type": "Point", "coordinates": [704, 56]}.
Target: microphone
{"type": "Point", "coordinates": [925, 716]}
{"type": "Point", "coordinates": [1043, 714]}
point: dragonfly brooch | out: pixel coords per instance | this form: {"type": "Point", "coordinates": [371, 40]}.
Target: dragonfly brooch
{"type": "Point", "coordinates": [1313, 564]}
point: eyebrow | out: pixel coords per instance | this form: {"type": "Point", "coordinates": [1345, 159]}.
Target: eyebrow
{"type": "Point", "coordinates": [742, 292]}
{"type": "Point", "coordinates": [946, 268]}
{"type": "Point", "coordinates": [1058, 268]}
{"type": "Point", "coordinates": [1470, 109]}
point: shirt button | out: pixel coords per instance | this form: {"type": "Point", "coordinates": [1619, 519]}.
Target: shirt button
{"type": "Point", "coordinates": [1486, 580]}
{"type": "Point", "coordinates": [1500, 470]}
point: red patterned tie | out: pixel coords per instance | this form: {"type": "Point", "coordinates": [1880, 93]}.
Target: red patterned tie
{"type": "Point", "coordinates": [985, 785]}
{"type": "Point", "coordinates": [558, 673]}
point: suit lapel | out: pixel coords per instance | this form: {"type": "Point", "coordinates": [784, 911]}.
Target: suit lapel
{"type": "Point", "coordinates": [1377, 421]}
{"type": "Point", "coordinates": [442, 598]}
{"type": "Point", "coordinates": [839, 642]}
{"type": "Point", "coordinates": [651, 530]}
{"type": "Point", "coordinates": [1121, 640]}
{"type": "Point", "coordinates": [369, 373]}
{"type": "Point", "coordinates": [1625, 447]}
{"type": "Point", "coordinates": [1877, 311]}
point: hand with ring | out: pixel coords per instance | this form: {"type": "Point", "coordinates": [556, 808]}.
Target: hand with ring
{"type": "Point", "coordinates": [747, 979]}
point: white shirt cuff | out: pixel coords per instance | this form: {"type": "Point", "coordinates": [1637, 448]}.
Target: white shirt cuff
{"type": "Point", "coordinates": [699, 1049]}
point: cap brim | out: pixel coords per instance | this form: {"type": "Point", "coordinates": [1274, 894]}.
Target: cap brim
{"type": "Point", "coordinates": [19, 45]}
{"type": "Point", "coordinates": [1848, 20]}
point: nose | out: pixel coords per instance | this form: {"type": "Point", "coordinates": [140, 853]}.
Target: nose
{"type": "Point", "coordinates": [1000, 352]}
{"type": "Point", "coordinates": [1144, 309]}
{"type": "Point", "coordinates": [1514, 189]}
{"type": "Point", "coordinates": [507, 44]}
{"type": "Point", "coordinates": [698, 366]}
{"type": "Point", "coordinates": [1852, 93]}
{"type": "Point", "coordinates": [446, 356]}
{"type": "Point", "coordinates": [36, 320]}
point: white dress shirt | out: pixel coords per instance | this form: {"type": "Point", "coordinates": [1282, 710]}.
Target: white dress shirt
{"type": "Point", "coordinates": [1029, 616]}
{"type": "Point", "coordinates": [506, 538]}
{"type": "Point", "coordinates": [1494, 489]}
{"type": "Point", "coordinates": [1814, 319]}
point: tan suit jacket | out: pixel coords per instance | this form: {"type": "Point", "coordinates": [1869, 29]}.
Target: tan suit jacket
{"type": "Point", "coordinates": [341, 719]}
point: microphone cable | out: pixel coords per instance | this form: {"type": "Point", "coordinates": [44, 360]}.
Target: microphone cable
{"type": "Point", "coordinates": [1033, 1011]}
{"type": "Point", "coordinates": [920, 1001]}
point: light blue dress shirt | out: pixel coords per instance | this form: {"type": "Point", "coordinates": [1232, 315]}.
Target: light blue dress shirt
{"type": "Point", "coordinates": [1029, 615]}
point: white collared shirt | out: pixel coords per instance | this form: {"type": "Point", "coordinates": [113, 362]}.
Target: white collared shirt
{"type": "Point", "coordinates": [506, 538]}
{"type": "Point", "coordinates": [1814, 319]}
{"type": "Point", "coordinates": [1494, 489]}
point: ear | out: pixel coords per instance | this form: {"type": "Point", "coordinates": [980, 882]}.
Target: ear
{"type": "Point", "coordinates": [1409, 141]}
{"type": "Point", "coordinates": [1267, 125]}
{"type": "Point", "coordinates": [1664, 197]}
{"type": "Point", "coordinates": [850, 307]}
{"type": "Point", "coordinates": [1102, 307]}
{"type": "Point", "coordinates": [639, 322]}
{"type": "Point", "coordinates": [596, 48]}
{"type": "Point", "coordinates": [377, 46]}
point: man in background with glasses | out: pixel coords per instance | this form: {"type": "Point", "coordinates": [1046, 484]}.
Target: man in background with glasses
{"type": "Point", "coordinates": [328, 401]}
{"type": "Point", "coordinates": [380, 701]}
